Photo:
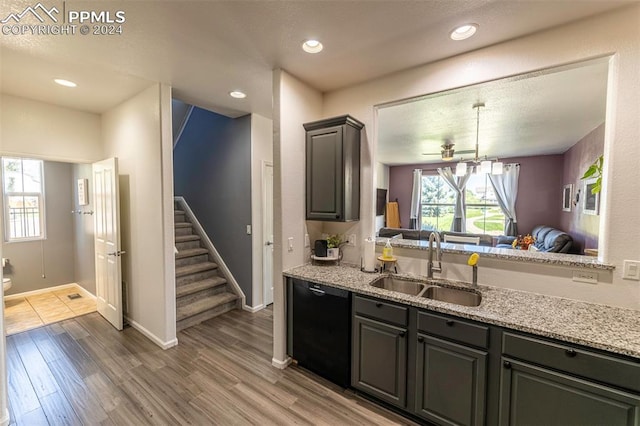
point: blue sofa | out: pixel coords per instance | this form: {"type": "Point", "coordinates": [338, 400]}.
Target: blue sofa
{"type": "Point", "coordinates": [547, 239]}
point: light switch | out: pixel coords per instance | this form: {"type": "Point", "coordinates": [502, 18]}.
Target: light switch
{"type": "Point", "coordinates": [631, 270]}
{"type": "Point", "coordinates": [290, 245]}
{"type": "Point", "coordinates": [248, 229]}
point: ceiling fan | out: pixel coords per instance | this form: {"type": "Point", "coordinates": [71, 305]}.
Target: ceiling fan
{"type": "Point", "coordinates": [448, 151]}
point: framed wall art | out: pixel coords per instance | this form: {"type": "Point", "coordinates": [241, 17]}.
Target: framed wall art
{"type": "Point", "coordinates": [567, 194]}
{"type": "Point", "coordinates": [591, 202]}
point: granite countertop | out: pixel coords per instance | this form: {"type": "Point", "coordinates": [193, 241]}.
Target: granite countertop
{"type": "Point", "coordinates": [561, 259]}
{"type": "Point", "coordinates": [598, 326]}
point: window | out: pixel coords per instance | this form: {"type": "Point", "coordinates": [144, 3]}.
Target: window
{"type": "Point", "coordinates": [483, 214]}
{"type": "Point", "coordinates": [438, 203]}
{"type": "Point", "coordinates": [23, 188]}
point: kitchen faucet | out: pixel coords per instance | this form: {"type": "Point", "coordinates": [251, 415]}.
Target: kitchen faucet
{"type": "Point", "coordinates": [434, 236]}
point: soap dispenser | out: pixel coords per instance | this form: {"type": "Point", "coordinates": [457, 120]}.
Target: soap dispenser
{"type": "Point", "coordinates": [387, 251]}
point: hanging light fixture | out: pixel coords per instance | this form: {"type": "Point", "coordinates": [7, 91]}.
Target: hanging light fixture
{"type": "Point", "coordinates": [482, 166]}
{"type": "Point", "coordinates": [496, 168]}
{"type": "Point", "coordinates": [461, 168]}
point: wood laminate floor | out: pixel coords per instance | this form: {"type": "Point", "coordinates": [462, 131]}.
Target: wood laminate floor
{"type": "Point", "coordinates": [82, 371]}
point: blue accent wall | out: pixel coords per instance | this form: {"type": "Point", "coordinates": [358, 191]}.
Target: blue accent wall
{"type": "Point", "coordinates": [212, 171]}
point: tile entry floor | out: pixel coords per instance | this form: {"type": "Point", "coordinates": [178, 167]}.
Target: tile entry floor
{"type": "Point", "coordinates": [26, 313]}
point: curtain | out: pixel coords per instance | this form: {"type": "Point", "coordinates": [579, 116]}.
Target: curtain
{"type": "Point", "coordinates": [416, 192]}
{"type": "Point", "coordinates": [457, 183]}
{"type": "Point", "coordinates": [506, 189]}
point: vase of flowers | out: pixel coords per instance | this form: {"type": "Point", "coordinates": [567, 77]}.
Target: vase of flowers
{"type": "Point", "coordinates": [523, 243]}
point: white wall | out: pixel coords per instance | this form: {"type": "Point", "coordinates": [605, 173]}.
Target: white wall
{"type": "Point", "coordinates": [39, 130]}
{"type": "Point", "coordinates": [295, 103]}
{"type": "Point", "coordinates": [615, 33]}
{"type": "Point", "coordinates": [261, 152]}
{"type": "Point", "coordinates": [135, 132]}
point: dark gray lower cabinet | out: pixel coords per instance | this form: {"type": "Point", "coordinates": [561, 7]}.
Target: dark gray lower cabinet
{"type": "Point", "coordinates": [532, 395]}
{"type": "Point", "coordinates": [451, 382]}
{"type": "Point", "coordinates": [380, 360]}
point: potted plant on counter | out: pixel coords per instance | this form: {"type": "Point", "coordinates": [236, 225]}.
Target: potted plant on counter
{"type": "Point", "coordinates": [334, 242]}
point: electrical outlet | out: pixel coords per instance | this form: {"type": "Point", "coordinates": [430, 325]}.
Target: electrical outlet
{"type": "Point", "coordinates": [290, 243]}
{"type": "Point", "coordinates": [307, 243]}
{"type": "Point", "coordinates": [589, 277]}
{"type": "Point", "coordinates": [351, 240]}
{"type": "Point", "coordinates": [631, 270]}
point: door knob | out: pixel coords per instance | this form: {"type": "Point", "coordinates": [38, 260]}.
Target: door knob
{"type": "Point", "coordinates": [268, 243]}
{"type": "Point", "coordinates": [116, 253]}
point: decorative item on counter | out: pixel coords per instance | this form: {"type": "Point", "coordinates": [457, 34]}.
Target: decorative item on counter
{"type": "Point", "coordinates": [523, 243]}
{"type": "Point", "coordinates": [369, 255]}
{"type": "Point", "coordinates": [333, 245]}
{"type": "Point", "coordinates": [387, 251]}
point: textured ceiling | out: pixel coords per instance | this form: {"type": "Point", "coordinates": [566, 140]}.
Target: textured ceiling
{"type": "Point", "coordinates": [534, 114]}
{"type": "Point", "coordinates": [204, 49]}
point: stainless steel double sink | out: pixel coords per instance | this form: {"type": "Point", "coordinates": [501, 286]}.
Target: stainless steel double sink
{"type": "Point", "coordinates": [429, 290]}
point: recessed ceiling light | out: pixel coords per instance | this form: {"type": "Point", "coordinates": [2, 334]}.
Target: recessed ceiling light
{"type": "Point", "coordinates": [312, 46]}
{"type": "Point", "coordinates": [237, 94]}
{"type": "Point", "coordinates": [463, 31]}
{"type": "Point", "coordinates": [66, 83]}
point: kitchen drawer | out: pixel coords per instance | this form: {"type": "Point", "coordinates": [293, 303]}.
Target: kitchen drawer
{"type": "Point", "coordinates": [383, 311]}
{"type": "Point", "coordinates": [454, 329]}
{"type": "Point", "coordinates": [581, 362]}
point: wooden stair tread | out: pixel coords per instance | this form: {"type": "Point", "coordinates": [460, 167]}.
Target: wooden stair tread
{"type": "Point", "coordinates": [191, 252]}
{"type": "Point", "coordinates": [185, 238]}
{"type": "Point", "coordinates": [197, 286]}
{"type": "Point", "coordinates": [182, 225]}
{"type": "Point", "coordinates": [204, 304]}
{"type": "Point", "coordinates": [181, 271]}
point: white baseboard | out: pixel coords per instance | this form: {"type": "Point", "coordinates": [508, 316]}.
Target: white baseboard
{"type": "Point", "coordinates": [78, 287]}
{"type": "Point", "coordinates": [4, 421]}
{"type": "Point", "coordinates": [149, 335]}
{"type": "Point", "coordinates": [253, 309]}
{"type": "Point", "coordinates": [281, 364]}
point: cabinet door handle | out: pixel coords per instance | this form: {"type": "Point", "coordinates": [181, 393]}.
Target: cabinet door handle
{"type": "Point", "coordinates": [507, 365]}
{"type": "Point", "coordinates": [420, 339]}
{"type": "Point", "coordinates": [570, 353]}
{"type": "Point", "coordinates": [337, 216]}
{"type": "Point", "coordinates": [378, 305]}
{"type": "Point", "coordinates": [402, 334]}
{"type": "Point", "coordinates": [450, 323]}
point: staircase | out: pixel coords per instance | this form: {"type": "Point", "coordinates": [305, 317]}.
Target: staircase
{"type": "Point", "coordinates": [201, 290]}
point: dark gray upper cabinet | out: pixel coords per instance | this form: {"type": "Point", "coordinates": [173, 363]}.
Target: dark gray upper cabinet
{"type": "Point", "coordinates": [333, 169]}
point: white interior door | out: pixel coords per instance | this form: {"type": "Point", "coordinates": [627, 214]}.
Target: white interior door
{"type": "Point", "coordinates": [267, 232]}
{"type": "Point", "coordinates": [107, 240]}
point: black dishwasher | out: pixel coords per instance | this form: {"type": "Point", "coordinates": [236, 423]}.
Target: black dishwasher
{"type": "Point", "coordinates": [320, 321]}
